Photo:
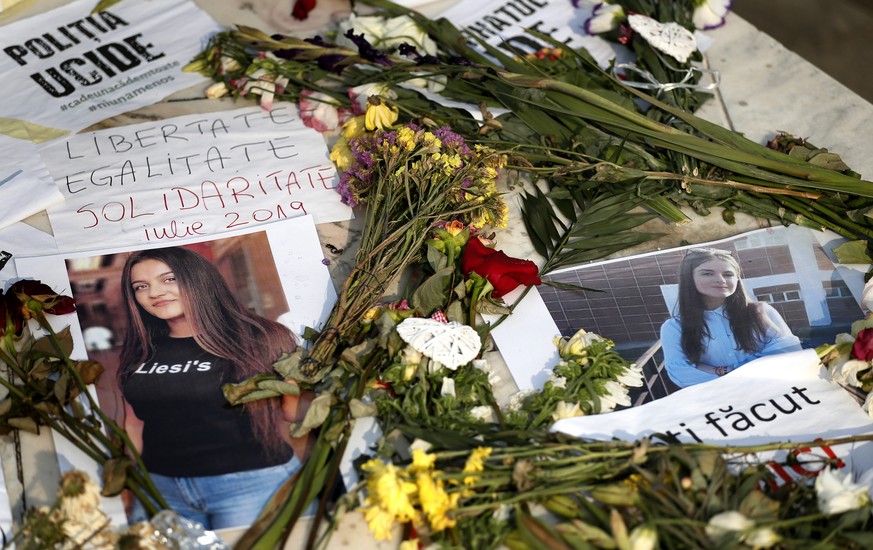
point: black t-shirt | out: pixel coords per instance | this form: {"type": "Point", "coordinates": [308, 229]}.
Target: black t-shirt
{"type": "Point", "coordinates": [189, 429]}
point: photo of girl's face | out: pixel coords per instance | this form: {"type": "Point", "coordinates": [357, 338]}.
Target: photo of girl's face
{"type": "Point", "coordinates": [156, 290]}
{"type": "Point", "coordinates": [715, 280]}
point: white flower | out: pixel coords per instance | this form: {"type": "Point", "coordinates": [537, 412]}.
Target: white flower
{"type": "Point", "coordinates": [763, 537]}
{"type": "Point", "coordinates": [386, 33]}
{"type": "Point", "coordinates": [710, 14]}
{"type": "Point", "coordinates": [557, 381]}
{"type": "Point", "coordinates": [448, 387]}
{"type": "Point", "coordinates": [567, 410]}
{"type": "Point", "coordinates": [260, 83]}
{"type": "Point", "coordinates": [844, 338]}
{"type": "Point", "coordinates": [643, 537]}
{"type": "Point", "coordinates": [604, 18]}
{"type": "Point", "coordinates": [616, 394]}
{"type": "Point", "coordinates": [726, 523]}
{"type": "Point", "coordinates": [217, 90]}
{"type": "Point", "coordinates": [847, 372]}
{"type": "Point", "coordinates": [483, 413]}
{"type": "Point", "coordinates": [632, 376]}
{"type": "Point", "coordinates": [517, 399]}
{"type": "Point", "coordinates": [837, 493]}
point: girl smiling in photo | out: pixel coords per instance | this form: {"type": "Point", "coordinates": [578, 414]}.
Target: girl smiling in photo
{"type": "Point", "coordinates": [188, 335]}
{"type": "Point", "coordinates": [718, 328]}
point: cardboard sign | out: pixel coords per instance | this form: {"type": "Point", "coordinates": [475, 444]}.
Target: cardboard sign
{"type": "Point", "coordinates": [68, 68]}
{"type": "Point", "coordinates": [778, 398]}
{"type": "Point", "coordinates": [189, 177]}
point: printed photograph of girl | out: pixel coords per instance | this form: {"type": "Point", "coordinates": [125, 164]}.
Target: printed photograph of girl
{"type": "Point", "coordinates": [174, 325]}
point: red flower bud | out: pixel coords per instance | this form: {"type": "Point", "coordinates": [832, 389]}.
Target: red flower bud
{"type": "Point", "coordinates": [36, 296]}
{"type": "Point", "coordinates": [862, 349]}
{"type": "Point", "coordinates": [11, 318]}
{"type": "Point", "coordinates": [302, 8]}
{"type": "Point", "coordinates": [503, 272]}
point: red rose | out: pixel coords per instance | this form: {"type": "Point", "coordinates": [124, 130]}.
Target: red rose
{"type": "Point", "coordinates": [10, 314]}
{"type": "Point", "coordinates": [503, 272]}
{"type": "Point", "coordinates": [35, 295]}
{"type": "Point", "coordinates": [302, 8]}
{"type": "Point", "coordinates": [862, 349]}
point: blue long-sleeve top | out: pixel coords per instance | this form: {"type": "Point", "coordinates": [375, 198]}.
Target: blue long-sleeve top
{"type": "Point", "coordinates": [720, 348]}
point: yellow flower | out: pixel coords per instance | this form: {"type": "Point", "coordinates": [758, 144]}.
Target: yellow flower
{"type": "Point", "coordinates": [390, 491]}
{"type": "Point", "coordinates": [379, 115]}
{"type": "Point", "coordinates": [436, 502]}
{"type": "Point", "coordinates": [354, 127]}
{"type": "Point", "coordinates": [411, 544]}
{"type": "Point", "coordinates": [475, 463]}
{"type": "Point", "coordinates": [341, 154]}
{"type": "Point", "coordinates": [380, 522]}
{"type": "Point", "coordinates": [217, 90]}
{"type": "Point", "coordinates": [454, 227]}
{"type": "Point", "coordinates": [421, 461]}
{"type": "Point", "coordinates": [406, 138]}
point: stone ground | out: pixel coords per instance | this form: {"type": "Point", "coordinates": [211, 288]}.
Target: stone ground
{"type": "Point", "coordinates": [833, 35]}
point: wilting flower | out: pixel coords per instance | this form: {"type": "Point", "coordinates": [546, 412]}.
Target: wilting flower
{"type": "Point", "coordinates": [36, 297]}
{"type": "Point", "coordinates": [318, 111]}
{"type": "Point", "coordinates": [710, 14]}
{"type": "Point", "coordinates": [503, 272]}
{"type": "Point", "coordinates": [604, 18]}
{"type": "Point", "coordinates": [380, 115]}
{"type": "Point", "coordinates": [11, 316]}
{"type": "Point", "coordinates": [359, 95]}
{"type": "Point", "coordinates": [567, 410]}
{"type": "Point", "coordinates": [837, 493]}
{"type": "Point", "coordinates": [868, 404]}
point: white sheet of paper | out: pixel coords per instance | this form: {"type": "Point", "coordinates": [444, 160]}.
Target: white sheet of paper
{"type": "Point", "coordinates": [776, 398]}
{"type": "Point", "coordinates": [26, 187]}
{"type": "Point", "coordinates": [503, 24]}
{"type": "Point", "coordinates": [190, 176]}
{"type": "Point", "coordinates": [68, 69]}
{"type": "Point", "coordinates": [525, 340]}
{"type": "Point", "coordinates": [305, 280]}
{"type": "Point", "coordinates": [22, 239]}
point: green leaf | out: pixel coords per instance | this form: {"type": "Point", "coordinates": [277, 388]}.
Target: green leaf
{"type": "Point", "coordinates": [359, 409]}
{"type": "Point", "coordinates": [853, 252]}
{"type": "Point", "coordinates": [315, 416]}
{"type": "Point", "coordinates": [433, 292]}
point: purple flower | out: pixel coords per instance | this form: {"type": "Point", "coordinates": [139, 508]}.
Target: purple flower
{"type": "Point", "coordinates": [366, 50]}
{"type": "Point", "coordinates": [452, 139]}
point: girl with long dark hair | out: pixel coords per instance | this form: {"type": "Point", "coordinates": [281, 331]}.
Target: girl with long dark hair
{"type": "Point", "coordinates": [718, 328]}
{"type": "Point", "coordinates": [187, 335]}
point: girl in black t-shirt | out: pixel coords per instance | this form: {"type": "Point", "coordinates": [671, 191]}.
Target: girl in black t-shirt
{"type": "Point", "coordinates": [186, 336]}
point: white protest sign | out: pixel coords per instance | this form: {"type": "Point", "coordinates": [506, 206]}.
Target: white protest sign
{"type": "Point", "coordinates": [773, 399]}
{"type": "Point", "coordinates": [20, 239]}
{"type": "Point", "coordinates": [190, 176]}
{"type": "Point", "coordinates": [502, 23]}
{"type": "Point", "coordinates": [69, 68]}
{"type": "Point", "coordinates": [25, 184]}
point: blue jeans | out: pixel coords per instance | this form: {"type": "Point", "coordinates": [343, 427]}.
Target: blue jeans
{"type": "Point", "coordinates": [227, 500]}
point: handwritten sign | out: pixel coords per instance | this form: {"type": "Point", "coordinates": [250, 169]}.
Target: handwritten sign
{"type": "Point", "coordinates": [69, 68]}
{"type": "Point", "coordinates": [502, 23]}
{"type": "Point", "coordinates": [777, 398]}
{"type": "Point", "coordinates": [190, 176]}
{"type": "Point", "coordinates": [26, 187]}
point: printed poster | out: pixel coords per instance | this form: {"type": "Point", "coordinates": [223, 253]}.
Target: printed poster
{"type": "Point", "coordinates": [26, 187]}
{"type": "Point", "coordinates": [773, 399]}
{"type": "Point", "coordinates": [275, 270]}
{"type": "Point", "coordinates": [190, 177]}
{"type": "Point", "coordinates": [503, 24]}
{"type": "Point", "coordinates": [66, 69]}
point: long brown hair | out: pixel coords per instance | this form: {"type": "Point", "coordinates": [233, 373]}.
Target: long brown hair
{"type": "Point", "coordinates": [746, 317]}
{"type": "Point", "coordinates": [221, 325]}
